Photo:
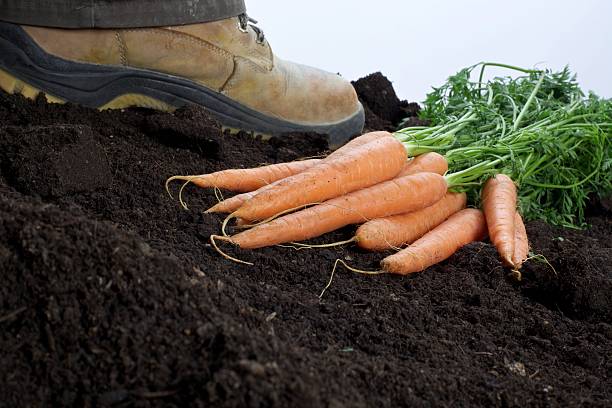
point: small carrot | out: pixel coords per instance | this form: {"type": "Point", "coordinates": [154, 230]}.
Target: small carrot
{"type": "Point", "coordinates": [460, 229]}
{"type": "Point", "coordinates": [499, 205]}
{"type": "Point", "coordinates": [428, 162]}
{"type": "Point", "coordinates": [243, 180]}
{"type": "Point", "coordinates": [358, 168]}
{"type": "Point", "coordinates": [409, 193]}
{"type": "Point", "coordinates": [395, 231]}
{"type": "Point", "coordinates": [521, 242]}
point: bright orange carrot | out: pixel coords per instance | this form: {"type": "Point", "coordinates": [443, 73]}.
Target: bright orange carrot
{"type": "Point", "coordinates": [409, 193]}
{"type": "Point", "coordinates": [425, 163]}
{"type": "Point", "coordinates": [521, 242]}
{"type": "Point", "coordinates": [231, 204]}
{"type": "Point", "coordinates": [460, 229]}
{"type": "Point", "coordinates": [428, 162]}
{"type": "Point", "coordinates": [395, 231]}
{"type": "Point", "coordinates": [243, 180]}
{"type": "Point", "coordinates": [358, 168]}
{"type": "Point", "coordinates": [499, 206]}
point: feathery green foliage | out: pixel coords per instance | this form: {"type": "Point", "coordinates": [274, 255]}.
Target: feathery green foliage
{"type": "Point", "coordinates": [539, 128]}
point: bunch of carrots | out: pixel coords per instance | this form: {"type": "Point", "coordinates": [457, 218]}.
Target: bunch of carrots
{"type": "Point", "coordinates": [369, 181]}
{"type": "Point", "coordinates": [537, 130]}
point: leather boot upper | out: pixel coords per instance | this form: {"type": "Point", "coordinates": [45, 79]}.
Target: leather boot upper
{"type": "Point", "coordinates": [224, 56]}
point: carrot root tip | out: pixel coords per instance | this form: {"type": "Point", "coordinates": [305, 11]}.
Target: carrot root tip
{"type": "Point", "coordinates": [350, 268]}
{"type": "Point", "coordinates": [517, 275]}
{"type": "Point", "coordinates": [174, 178]}
{"type": "Point", "coordinates": [299, 246]}
{"type": "Point", "coordinates": [225, 222]}
{"type": "Point", "coordinates": [213, 241]}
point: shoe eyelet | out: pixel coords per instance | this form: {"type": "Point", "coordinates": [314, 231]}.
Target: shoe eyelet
{"type": "Point", "coordinates": [243, 24]}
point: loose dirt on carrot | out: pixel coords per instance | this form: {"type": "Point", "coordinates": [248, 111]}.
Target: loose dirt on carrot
{"type": "Point", "coordinates": [111, 294]}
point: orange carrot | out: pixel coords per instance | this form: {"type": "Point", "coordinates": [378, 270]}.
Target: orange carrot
{"type": "Point", "coordinates": [499, 206]}
{"type": "Point", "coordinates": [242, 180]}
{"type": "Point", "coordinates": [460, 229]}
{"type": "Point", "coordinates": [360, 167]}
{"type": "Point", "coordinates": [425, 163]}
{"type": "Point", "coordinates": [521, 242]}
{"type": "Point", "coordinates": [409, 193]}
{"type": "Point", "coordinates": [395, 231]}
{"type": "Point", "coordinates": [233, 203]}
{"type": "Point", "coordinates": [428, 162]}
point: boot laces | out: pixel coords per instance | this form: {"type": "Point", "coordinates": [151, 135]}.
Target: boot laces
{"type": "Point", "coordinates": [245, 22]}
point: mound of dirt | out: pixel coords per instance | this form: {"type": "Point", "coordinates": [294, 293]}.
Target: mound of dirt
{"type": "Point", "coordinates": [113, 296]}
{"type": "Point", "coordinates": [384, 110]}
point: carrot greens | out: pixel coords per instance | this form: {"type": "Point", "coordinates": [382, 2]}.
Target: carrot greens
{"type": "Point", "coordinates": [539, 128]}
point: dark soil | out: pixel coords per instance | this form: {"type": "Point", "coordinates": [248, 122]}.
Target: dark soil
{"type": "Point", "coordinates": [383, 109]}
{"type": "Point", "coordinates": [111, 294]}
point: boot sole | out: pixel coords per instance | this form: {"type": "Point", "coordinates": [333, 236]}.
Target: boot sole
{"type": "Point", "coordinates": [27, 69]}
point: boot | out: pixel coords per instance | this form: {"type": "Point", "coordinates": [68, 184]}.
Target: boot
{"type": "Point", "coordinates": [226, 66]}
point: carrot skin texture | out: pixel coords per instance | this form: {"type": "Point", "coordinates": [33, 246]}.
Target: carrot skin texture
{"type": "Point", "coordinates": [233, 203]}
{"type": "Point", "coordinates": [393, 232]}
{"type": "Point", "coordinates": [441, 243]}
{"type": "Point", "coordinates": [499, 205]}
{"type": "Point", "coordinates": [360, 167]}
{"type": "Point", "coordinates": [521, 242]}
{"type": "Point", "coordinates": [243, 180]}
{"type": "Point", "coordinates": [429, 162]}
{"type": "Point", "coordinates": [412, 192]}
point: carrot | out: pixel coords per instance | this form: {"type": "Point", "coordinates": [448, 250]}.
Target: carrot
{"type": "Point", "coordinates": [360, 167]}
{"type": "Point", "coordinates": [409, 193]}
{"type": "Point", "coordinates": [233, 203]}
{"type": "Point", "coordinates": [246, 180]}
{"type": "Point", "coordinates": [395, 231]}
{"type": "Point", "coordinates": [428, 162]}
{"type": "Point", "coordinates": [499, 206]}
{"type": "Point", "coordinates": [243, 180]}
{"type": "Point", "coordinates": [460, 229]}
{"type": "Point", "coordinates": [521, 242]}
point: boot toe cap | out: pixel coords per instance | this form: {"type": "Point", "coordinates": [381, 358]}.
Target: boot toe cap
{"type": "Point", "coordinates": [317, 97]}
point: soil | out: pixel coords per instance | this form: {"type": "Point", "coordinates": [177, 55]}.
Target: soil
{"type": "Point", "coordinates": [113, 296]}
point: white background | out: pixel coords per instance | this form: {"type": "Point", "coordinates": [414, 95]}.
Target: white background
{"type": "Point", "coordinates": [417, 45]}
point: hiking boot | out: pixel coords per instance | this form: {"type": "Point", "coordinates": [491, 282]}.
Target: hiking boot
{"type": "Point", "coordinates": [226, 66]}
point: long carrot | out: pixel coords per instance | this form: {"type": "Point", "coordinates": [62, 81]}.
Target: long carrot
{"type": "Point", "coordinates": [521, 242]}
{"type": "Point", "coordinates": [395, 231]}
{"type": "Point", "coordinates": [460, 229]}
{"type": "Point", "coordinates": [360, 167]}
{"type": "Point", "coordinates": [425, 163]}
{"type": "Point", "coordinates": [243, 180]}
{"type": "Point", "coordinates": [246, 180]}
{"type": "Point", "coordinates": [499, 205]}
{"type": "Point", "coordinates": [409, 193]}
{"type": "Point", "coordinates": [233, 203]}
